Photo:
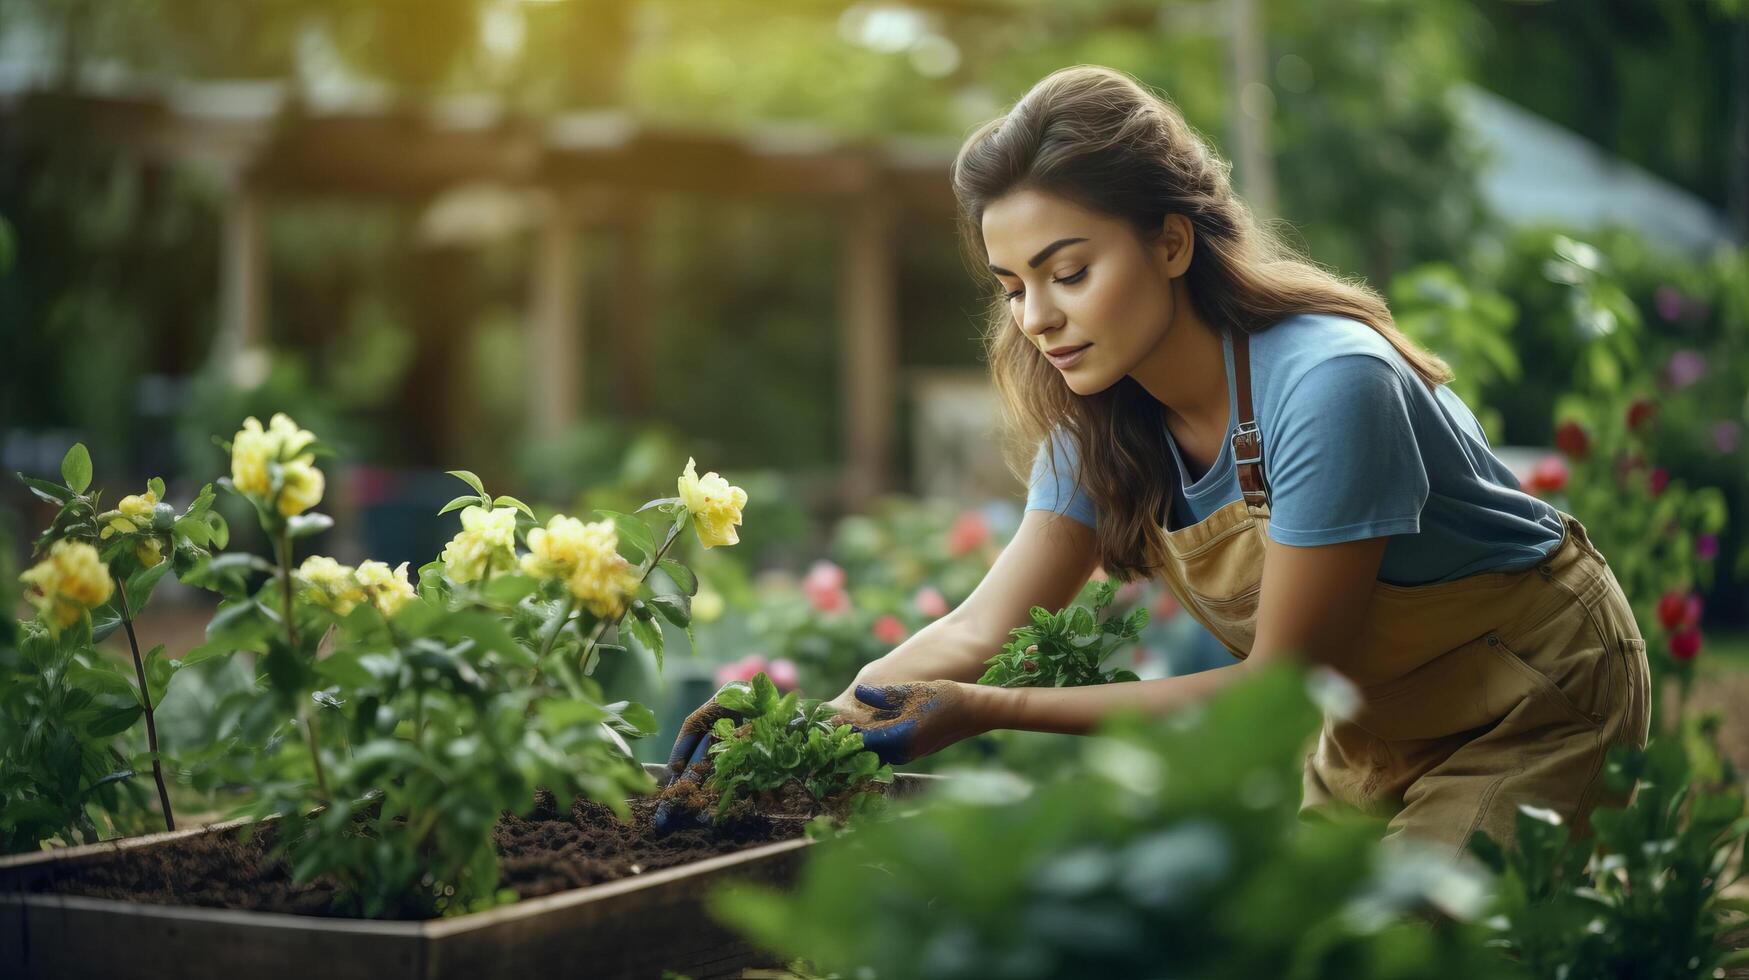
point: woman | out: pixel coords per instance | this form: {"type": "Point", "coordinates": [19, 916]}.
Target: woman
{"type": "Point", "coordinates": [1212, 410]}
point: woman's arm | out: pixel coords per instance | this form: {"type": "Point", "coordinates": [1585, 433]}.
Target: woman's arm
{"type": "Point", "coordinates": [1311, 605]}
{"type": "Point", "coordinates": [1046, 564]}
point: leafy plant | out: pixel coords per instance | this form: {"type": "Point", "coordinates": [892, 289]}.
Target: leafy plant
{"type": "Point", "coordinates": [1646, 896]}
{"type": "Point", "coordinates": [783, 739]}
{"type": "Point", "coordinates": [1174, 846]}
{"type": "Point", "coordinates": [67, 759]}
{"type": "Point", "coordinates": [1067, 648]}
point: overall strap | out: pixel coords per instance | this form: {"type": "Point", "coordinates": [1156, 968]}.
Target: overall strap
{"type": "Point", "coordinates": [1247, 440]}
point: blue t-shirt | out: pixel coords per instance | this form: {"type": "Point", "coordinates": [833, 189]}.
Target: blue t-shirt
{"type": "Point", "coordinates": [1355, 446]}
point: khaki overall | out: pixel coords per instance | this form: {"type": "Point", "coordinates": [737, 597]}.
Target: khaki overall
{"type": "Point", "coordinates": [1477, 694]}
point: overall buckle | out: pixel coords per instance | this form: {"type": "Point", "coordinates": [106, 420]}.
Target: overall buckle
{"type": "Point", "coordinates": [1247, 429]}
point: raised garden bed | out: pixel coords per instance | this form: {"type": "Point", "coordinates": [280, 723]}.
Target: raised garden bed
{"type": "Point", "coordinates": [590, 907]}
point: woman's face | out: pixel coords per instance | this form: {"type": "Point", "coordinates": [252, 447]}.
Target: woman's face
{"type": "Point", "coordinates": [1083, 287]}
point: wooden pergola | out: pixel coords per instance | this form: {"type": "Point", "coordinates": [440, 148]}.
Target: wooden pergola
{"type": "Point", "coordinates": [597, 170]}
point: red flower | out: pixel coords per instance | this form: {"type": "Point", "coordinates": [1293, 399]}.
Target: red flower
{"type": "Point", "coordinates": [1572, 439]}
{"type": "Point", "coordinates": [1684, 645]}
{"type": "Point", "coordinates": [889, 630]}
{"type": "Point", "coordinates": [1548, 476]}
{"type": "Point", "coordinates": [1659, 479]}
{"type": "Point", "coordinates": [969, 533]}
{"type": "Point", "coordinates": [1640, 412]}
{"type": "Point", "coordinates": [1679, 611]}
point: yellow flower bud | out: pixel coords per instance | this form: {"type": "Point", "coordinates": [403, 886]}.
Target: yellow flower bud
{"type": "Point", "coordinates": [715, 506]}
{"type": "Point", "coordinates": [388, 590]}
{"type": "Point", "coordinates": [486, 545]}
{"type": "Point", "coordinates": [301, 490]}
{"type": "Point", "coordinates": [282, 442]}
{"type": "Point", "coordinates": [329, 584]}
{"type": "Point", "coordinates": [69, 581]}
{"type": "Point", "coordinates": [586, 557]}
{"type": "Point", "coordinates": [250, 452]}
{"type": "Point", "coordinates": [150, 551]}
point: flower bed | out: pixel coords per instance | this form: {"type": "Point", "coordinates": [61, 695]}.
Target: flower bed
{"type": "Point", "coordinates": [599, 898]}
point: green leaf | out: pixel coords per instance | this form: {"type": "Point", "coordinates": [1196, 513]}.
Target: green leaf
{"type": "Point", "coordinates": [458, 503]}
{"type": "Point", "coordinates": [676, 609]}
{"type": "Point", "coordinates": [632, 531]}
{"type": "Point", "coordinates": [683, 577]}
{"type": "Point", "coordinates": [141, 583]}
{"type": "Point", "coordinates": [76, 468]}
{"type": "Point", "coordinates": [159, 668]}
{"type": "Point", "coordinates": [305, 525]}
{"type": "Point", "coordinates": [660, 503]}
{"type": "Point", "coordinates": [737, 696]}
{"type": "Point", "coordinates": [505, 500]}
{"type": "Point", "coordinates": [221, 529]}
{"type": "Point", "coordinates": [632, 718]}
{"type": "Point", "coordinates": [52, 493]}
{"type": "Point", "coordinates": [472, 481]}
{"type": "Point", "coordinates": [649, 634]}
{"type": "Point", "coordinates": [156, 485]}
{"type": "Point", "coordinates": [557, 715]}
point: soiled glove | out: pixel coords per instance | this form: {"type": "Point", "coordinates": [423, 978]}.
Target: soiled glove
{"type": "Point", "coordinates": [688, 766]}
{"type": "Point", "coordinates": [909, 721]}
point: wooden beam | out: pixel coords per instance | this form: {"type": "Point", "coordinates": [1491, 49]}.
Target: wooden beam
{"type": "Point", "coordinates": [240, 343]}
{"type": "Point", "coordinates": [555, 336]}
{"type": "Point", "coordinates": [869, 348]}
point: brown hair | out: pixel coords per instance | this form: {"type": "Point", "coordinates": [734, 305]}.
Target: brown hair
{"type": "Point", "coordinates": [1099, 138]}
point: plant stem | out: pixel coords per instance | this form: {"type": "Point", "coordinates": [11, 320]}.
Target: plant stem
{"type": "Point", "coordinates": [127, 622]}
{"type": "Point", "coordinates": [291, 633]}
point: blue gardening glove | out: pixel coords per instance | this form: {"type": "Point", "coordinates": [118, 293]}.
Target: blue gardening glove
{"type": "Point", "coordinates": [682, 802]}
{"type": "Point", "coordinates": [909, 721]}
{"type": "Point", "coordinates": [688, 766]}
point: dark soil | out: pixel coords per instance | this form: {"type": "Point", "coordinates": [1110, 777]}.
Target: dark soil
{"type": "Point", "coordinates": [548, 851]}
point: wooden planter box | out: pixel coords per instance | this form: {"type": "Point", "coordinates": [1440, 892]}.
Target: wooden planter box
{"type": "Point", "coordinates": [633, 927]}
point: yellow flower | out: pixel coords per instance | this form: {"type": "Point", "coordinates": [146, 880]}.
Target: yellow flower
{"type": "Point", "coordinates": [715, 506]}
{"type": "Point", "coordinates": [388, 590]}
{"type": "Point", "coordinates": [250, 453]}
{"type": "Point", "coordinates": [707, 606]}
{"type": "Point", "coordinates": [134, 513]}
{"type": "Point", "coordinates": [485, 546]}
{"type": "Point", "coordinates": [330, 584]}
{"type": "Point", "coordinates": [69, 581]}
{"type": "Point", "coordinates": [254, 448]}
{"type": "Point", "coordinates": [302, 488]}
{"type": "Point", "coordinates": [150, 551]}
{"type": "Point", "coordinates": [586, 557]}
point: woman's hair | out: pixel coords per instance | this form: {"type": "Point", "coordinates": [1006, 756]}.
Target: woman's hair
{"type": "Point", "coordinates": [1098, 138]}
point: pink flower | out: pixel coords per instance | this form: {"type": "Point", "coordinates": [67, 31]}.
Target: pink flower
{"type": "Point", "coordinates": [824, 587]}
{"type": "Point", "coordinates": [1668, 301]}
{"type": "Point", "coordinates": [824, 575]}
{"type": "Point", "coordinates": [929, 602]}
{"type": "Point", "coordinates": [889, 630]}
{"type": "Point", "coordinates": [782, 672]}
{"type": "Point", "coordinates": [1659, 479]}
{"type": "Point", "coordinates": [969, 533]}
{"type": "Point", "coordinates": [1706, 547]}
{"type": "Point", "coordinates": [742, 670]}
{"type": "Point", "coordinates": [1727, 436]}
{"type": "Point", "coordinates": [1684, 368]}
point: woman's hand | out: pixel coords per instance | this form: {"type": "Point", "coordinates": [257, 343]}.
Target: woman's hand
{"type": "Point", "coordinates": [907, 721]}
